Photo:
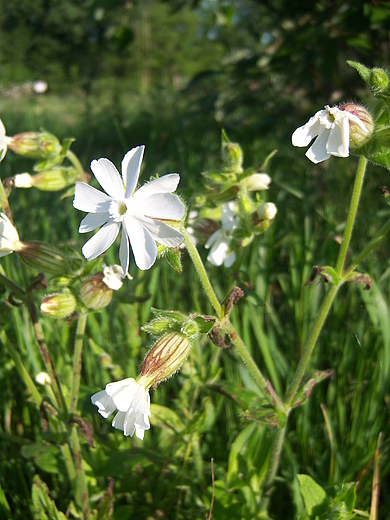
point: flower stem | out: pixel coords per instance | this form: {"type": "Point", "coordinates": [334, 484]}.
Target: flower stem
{"type": "Point", "coordinates": [21, 368]}
{"type": "Point", "coordinates": [357, 188]}
{"type": "Point", "coordinates": [77, 361]}
{"type": "Point", "coordinates": [262, 382]}
{"type": "Point", "coordinates": [80, 473]}
{"type": "Point", "coordinates": [74, 160]}
{"type": "Point", "coordinates": [193, 252]}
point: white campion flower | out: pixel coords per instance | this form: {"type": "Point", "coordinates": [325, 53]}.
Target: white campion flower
{"type": "Point", "coordinates": [257, 182]}
{"type": "Point", "coordinates": [219, 241]}
{"type": "Point", "coordinates": [3, 141]}
{"type": "Point", "coordinates": [9, 238]}
{"type": "Point", "coordinates": [113, 276]}
{"type": "Point", "coordinates": [331, 128]}
{"type": "Point", "coordinates": [131, 399]}
{"type": "Point", "coordinates": [140, 213]}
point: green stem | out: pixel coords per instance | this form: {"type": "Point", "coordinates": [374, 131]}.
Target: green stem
{"type": "Point", "coordinates": [276, 452]}
{"type": "Point", "coordinates": [40, 337]}
{"type": "Point", "coordinates": [197, 261]}
{"type": "Point", "coordinates": [262, 382]}
{"type": "Point", "coordinates": [357, 188]}
{"type": "Point", "coordinates": [80, 473]}
{"type": "Point", "coordinates": [77, 361]}
{"type": "Point", "coordinates": [21, 368]}
{"type": "Point", "coordinates": [13, 287]}
{"type": "Point", "coordinates": [76, 163]}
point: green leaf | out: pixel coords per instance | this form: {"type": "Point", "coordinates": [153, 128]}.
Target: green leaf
{"type": "Point", "coordinates": [314, 496]}
{"type": "Point", "coordinates": [44, 455]}
{"type": "Point", "coordinates": [44, 507]}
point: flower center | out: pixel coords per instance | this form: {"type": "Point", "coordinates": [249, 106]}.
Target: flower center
{"type": "Point", "coordinates": [117, 210]}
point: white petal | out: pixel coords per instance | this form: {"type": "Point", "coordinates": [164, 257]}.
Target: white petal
{"type": "Point", "coordinates": [124, 251]}
{"type": "Point", "coordinates": [131, 166]}
{"type": "Point", "coordinates": [89, 199]}
{"type": "Point", "coordinates": [116, 386]}
{"type": "Point", "coordinates": [108, 177]}
{"type": "Point", "coordinates": [230, 259]}
{"type": "Point", "coordinates": [318, 151]}
{"type": "Point", "coordinates": [100, 242]}
{"type": "Point", "coordinates": [104, 402]}
{"type": "Point", "coordinates": [124, 397]}
{"type": "Point", "coordinates": [164, 206]}
{"type": "Point", "coordinates": [93, 221]}
{"type": "Point", "coordinates": [338, 142]}
{"type": "Point", "coordinates": [304, 134]}
{"type": "Point", "coordinates": [165, 184]}
{"type": "Point", "coordinates": [219, 251]}
{"type": "Point", "coordinates": [142, 243]}
{"type": "Point", "coordinates": [129, 423]}
{"type": "Point", "coordinates": [119, 420]}
{"type": "Point", "coordinates": [227, 216]}
{"type": "Point", "coordinates": [161, 232]}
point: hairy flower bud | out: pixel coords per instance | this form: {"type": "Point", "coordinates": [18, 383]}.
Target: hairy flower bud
{"type": "Point", "coordinates": [37, 145]}
{"type": "Point", "coordinates": [378, 81]}
{"type": "Point", "coordinates": [257, 182]}
{"type": "Point", "coordinates": [51, 180]}
{"type": "Point", "coordinates": [263, 217]}
{"type": "Point", "coordinates": [232, 157]}
{"type": "Point", "coordinates": [43, 257]}
{"type": "Point", "coordinates": [94, 292]}
{"type": "Point", "coordinates": [165, 357]}
{"type": "Point", "coordinates": [359, 134]}
{"type": "Point", "coordinates": [60, 305]}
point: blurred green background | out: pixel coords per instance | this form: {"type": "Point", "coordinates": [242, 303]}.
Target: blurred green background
{"type": "Point", "coordinates": [171, 75]}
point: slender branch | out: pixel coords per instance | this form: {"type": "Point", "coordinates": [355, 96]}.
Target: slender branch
{"type": "Point", "coordinates": [80, 473]}
{"type": "Point", "coordinates": [77, 361]}
{"type": "Point", "coordinates": [197, 261]}
{"type": "Point", "coordinates": [262, 382]}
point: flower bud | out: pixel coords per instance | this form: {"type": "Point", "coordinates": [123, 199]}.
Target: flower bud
{"type": "Point", "coordinates": [232, 157]}
{"type": "Point", "coordinates": [165, 357]}
{"type": "Point", "coordinates": [43, 257]}
{"type": "Point", "coordinates": [9, 238]}
{"type": "Point", "coordinates": [378, 81]}
{"type": "Point", "coordinates": [257, 182]}
{"type": "Point", "coordinates": [58, 305]}
{"type": "Point", "coordinates": [43, 378]}
{"type": "Point", "coordinates": [267, 211]}
{"type": "Point", "coordinates": [37, 145]}
{"type": "Point", "coordinates": [361, 126]}
{"type": "Point", "coordinates": [94, 293]}
{"type": "Point", "coordinates": [51, 180]}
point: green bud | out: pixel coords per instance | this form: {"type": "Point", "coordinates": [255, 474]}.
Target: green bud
{"type": "Point", "coordinates": [37, 145]}
{"type": "Point", "coordinates": [361, 131]}
{"type": "Point", "coordinates": [50, 180]}
{"type": "Point", "coordinates": [94, 293]}
{"type": "Point", "coordinates": [43, 257]}
{"type": "Point", "coordinates": [232, 157]}
{"type": "Point", "coordinates": [59, 305]}
{"type": "Point", "coordinates": [158, 326]}
{"type": "Point", "coordinates": [165, 357]}
{"type": "Point", "coordinates": [378, 81]}
{"type": "Point", "coordinates": [190, 329]}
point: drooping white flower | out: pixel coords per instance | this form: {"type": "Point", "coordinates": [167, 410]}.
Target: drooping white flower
{"type": "Point", "coordinates": [113, 276]}
{"type": "Point", "coordinates": [219, 241]}
{"type": "Point", "coordinates": [9, 238]}
{"type": "Point", "coordinates": [331, 129]}
{"type": "Point", "coordinates": [140, 213]}
{"type": "Point", "coordinates": [132, 401]}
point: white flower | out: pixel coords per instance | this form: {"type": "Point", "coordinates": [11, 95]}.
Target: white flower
{"type": "Point", "coordinates": [132, 401]}
{"type": "Point", "coordinates": [3, 141]}
{"type": "Point", "coordinates": [220, 239]}
{"type": "Point", "coordinates": [43, 378]}
{"type": "Point", "coordinates": [331, 128]}
{"type": "Point", "coordinates": [257, 182]}
{"type": "Point", "coordinates": [23, 180]}
{"type": "Point", "coordinates": [140, 213]}
{"type": "Point", "coordinates": [9, 238]}
{"type": "Point", "coordinates": [113, 276]}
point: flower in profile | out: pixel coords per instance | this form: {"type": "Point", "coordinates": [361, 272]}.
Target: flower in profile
{"type": "Point", "coordinates": [131, 399]}
{"type": "Point", "coordinates": [9, 238]}
{"type": "Point", "coordinates": [219, 242]}
{"type": "Point", "coordinates": [257, 182]}
{"type": "Point", "coordinates": [140, 213]}
{"type": "Point", "coordinates": [113, 276]}
{"type": "Point", "coordinates": [331, 128]}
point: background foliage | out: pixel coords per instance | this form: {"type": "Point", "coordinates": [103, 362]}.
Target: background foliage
{"type": "Point", "coordinates": [170, 75]}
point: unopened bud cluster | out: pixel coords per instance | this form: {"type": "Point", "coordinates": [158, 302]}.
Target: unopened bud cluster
{"type": "Point", "coordinates": [165, 357]}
